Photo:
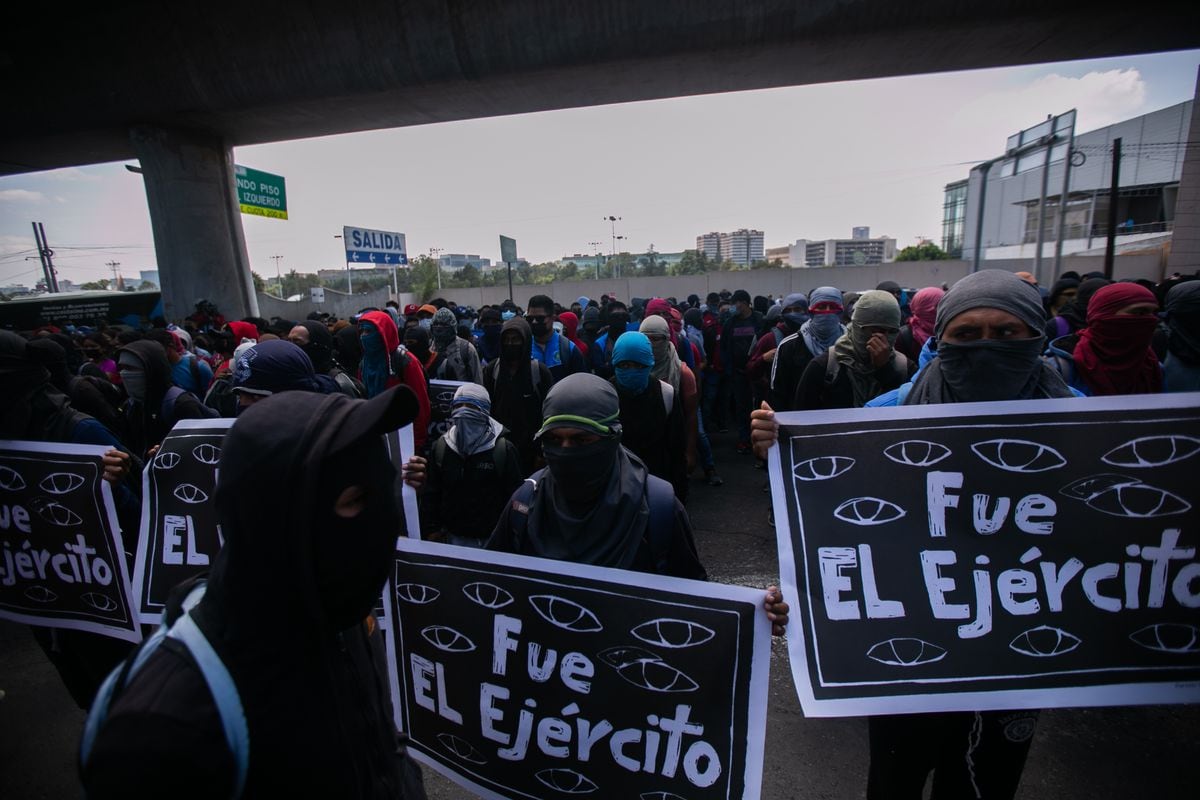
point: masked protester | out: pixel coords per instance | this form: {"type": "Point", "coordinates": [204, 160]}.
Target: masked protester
{"type": "Point", "coordinates": [307, 508]}
{"type": "Point", "coordinates": [317, 343]}
{"type": "Point", "coordinates": [272, 367]}
{"type": "Point", "coordinates": [1112, 355]}
{"type": "Point", "coordinates": [454, 359]}
{"type": "Point", "coordinates": [1182, 367]}
{"type": "Point", "coordinates": [919, 327]}
{"type": "Point", "coordinates": [595, 502]}
{"type": "Point", "coordinates": [989, 340]}
{"type": "Point", "coordinates": [33, 409]}
{"type": "Point", "coordinates": [617, 323]}
{"type": "Point", "coordinates": [471, 473]}
{"type": "Point", "coordinates": [155, 404]}
{"type": "Point", "coordinates": [816, 335]}
{"type": "Point", "coordinates": [518, 385]}
{"type": "Point", "coordinates": [1072, 314]}
{"type": "Point", "coordinates": [793, 313]}
{"type": "Point", "coordinates": [489, 337]}
{"type": "Point", "coordinates": [385, 363]}
{"type": "Point", "coordinates": [862, 363]}
{"type": "Point", "coordinates": [738, 337]}
{"type": "Point", "coordinates": [570, 322]}
{"type": "Point", "coordinates": [667, 368]}
{"type": "Point", "coordinates": [556, 351]}
{"type": "Point", "coordinates": [652, 414]}
{"type": "Point", "coordinates": [589, 328]}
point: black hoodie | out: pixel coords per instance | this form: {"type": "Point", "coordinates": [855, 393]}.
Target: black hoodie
{"type": "Point", "coordinates": [284, 610]}
{"type": "Point", "coordinates": [516, 400]}
{"type": "Point", "coordinates": [146, 424]}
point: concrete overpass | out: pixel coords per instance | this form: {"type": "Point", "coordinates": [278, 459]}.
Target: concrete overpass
{"type": "Point", "coordinates": [177, 85]}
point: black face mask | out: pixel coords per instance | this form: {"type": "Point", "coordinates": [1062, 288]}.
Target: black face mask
{"type": "Point", "coordinates": [581, 473]}
{"type": "Point", "coordinates": [352, 556]}
{"type": "Point", "coordinates": [539, 328]}
{"type": "Point", "coordinates": [618, 321]}
{"type": "Point", "coordinates": [513, 351]}
{"type": "Point", "coordinates": [991, 369]}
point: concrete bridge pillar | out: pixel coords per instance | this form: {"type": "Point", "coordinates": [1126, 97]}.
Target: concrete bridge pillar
{"type": "Point", "coordinates": [198, 235]}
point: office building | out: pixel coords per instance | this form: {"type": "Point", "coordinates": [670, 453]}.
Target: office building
{"type": "Point", "coordinates": [860, 232]}
{"type": "Point", "coordinates": [1008, 188]}
{"type": "Point", "coordinates": [781, 254]}
{"type": "Point", "coordinates": [852, 252]}
{"type": "Point", "coordinates": [456, 261]}
{"type": "Point", "coordinates": [742, 246]}
{"type": "Point", "coordinates": [710, 245]}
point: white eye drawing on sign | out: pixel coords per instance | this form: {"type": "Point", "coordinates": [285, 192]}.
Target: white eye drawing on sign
{"type": "Point", "coordinates": [822, 468]}
{"type": "Point", "coordinates": [1044, 642]}
{"type": "Point", "coordinates": [461, 748]}
{"type": "Point", "coordinates": [618, 657]}
{"type": "Point", "coordinates": [166, 460]}
{"type": "Point", "coordinates": [57, 514]}
{"type": "Point", "coordinates": [416, 593]}
{"type": "Point", "coordinates": [190, 493]}
{"type": "Point", "coordinates": [565, 614]}
{"type": "Point", "coordinates": [10, 479]}
{"type": "Point", "coordinates": [61, 482]}
{"type": "Point", "coordinates": [646, 670]}
{"type": "Point", "coordinates": [1019, 455]}
{"type": "Point", "coordinates": [673, 633]}
{"type": "Point", "coordinates": [1120, 496]}
{"type": "Point", "coordinates": [100, 602]}
{"type": "Point", "coordinates": [567, 781]}
{"type": "Point", "coordinates": [906, 652]}
{"type": "Point", "coordinates": [660, 796]}
{"type": "Point", "coordinates": [917, 453]}
{"type": "Point", "coordinates": [206, 453]}
{"type": "Point", "coordinates": [487, 595]}
{"type": "Point", "coordinates": [447, 639]}
{"type": "Point", "coordinates": [868, 511]}
{"type": "Point", "coordinates": [1152, 451]}
{"type": "Point", "coordinates": [1168, 637]}
{"type": "Point", "coordinates": [40, 594]}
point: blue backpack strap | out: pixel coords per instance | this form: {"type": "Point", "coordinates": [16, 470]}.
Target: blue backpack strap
{"type": "Point", "coordinates": [216, 676]}
{"type": "Point", "coordinates": [660, 529]}
{"type": "Point", "coordinates": [224, 692]}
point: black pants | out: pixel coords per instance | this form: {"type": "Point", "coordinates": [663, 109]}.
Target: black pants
{"type": "Point", "coordinates": [973, 754]}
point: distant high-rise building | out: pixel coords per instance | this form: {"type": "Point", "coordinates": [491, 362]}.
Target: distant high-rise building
{"type": "Point", "coordinates": [457, 261]}
{"type": "Point", "coordinates": [954, 216]}
{"type": "Point", "coordinates": [742, 246]}
{"type": "Point", "coordinates": [710, 245]}
{"type": "Point", "coordinates": [861, 232]}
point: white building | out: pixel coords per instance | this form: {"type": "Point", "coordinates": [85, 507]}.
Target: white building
{"type": "Point", "coordinates": [853, 252]}
{"type": "Point", "coordinates": [456, 261]}
{"type": "Point", "coordinates": [742, 246]}
{"type": "Point", "coordinates": [1009, 189]}
{"type": "Point", "coordinates": [710, 245]}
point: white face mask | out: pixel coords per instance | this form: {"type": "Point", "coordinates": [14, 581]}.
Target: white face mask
{"type": "Point", "coordinates": [426, 323]}
{"type": "Point", "coordinates": [558, 327]}
{"type": "Point", "coordinates": [134, 383]}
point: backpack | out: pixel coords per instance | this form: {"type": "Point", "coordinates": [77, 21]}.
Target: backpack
{"type": "Point", "coordinates": [441, 452]}
{"type": "Point", "coordinates": [221, 398]}
{"type": "Point", "coordinates": [660, 497]}
{"type": "Point", "coordinates": [167, 411]}
{"type": "Point", "coordinates": [535, 373]}
{"type": "Point", "coordinates": [833, 368]}
{"type": "Point", "coordinates": [183, 633]}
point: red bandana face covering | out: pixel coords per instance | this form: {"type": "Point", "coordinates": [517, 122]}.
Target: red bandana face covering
{"type": "Point", "coordinates": [1113, 353]}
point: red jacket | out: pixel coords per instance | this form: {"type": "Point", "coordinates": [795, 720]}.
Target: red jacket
{"type": "Point", "coordinates": [413, 377]}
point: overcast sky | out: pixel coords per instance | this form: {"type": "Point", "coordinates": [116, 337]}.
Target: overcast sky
{"type": "Point", "coordinates": [803, 162]}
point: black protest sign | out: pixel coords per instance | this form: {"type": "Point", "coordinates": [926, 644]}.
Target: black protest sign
{"type": "Point", "coordinates": [522, 677]}
{"type": "Point", "coordinates": [441, 399]}
{"type": "Point", "coordinates": [62, 559]}
{"type": "Point", "coordinates": [180, 534]}
{"type": "Point", "coordinates": [992, 555]}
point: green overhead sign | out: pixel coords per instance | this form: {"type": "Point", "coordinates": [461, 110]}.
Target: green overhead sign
{"type": "Point", "coordinates": [261, 193]}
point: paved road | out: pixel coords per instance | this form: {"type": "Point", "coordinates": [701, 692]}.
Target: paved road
{"type": "Point", "coordinates": [1099, 754]}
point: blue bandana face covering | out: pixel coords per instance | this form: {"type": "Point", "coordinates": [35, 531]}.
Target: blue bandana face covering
{"type": "Point", "coordinates": [633, 381]}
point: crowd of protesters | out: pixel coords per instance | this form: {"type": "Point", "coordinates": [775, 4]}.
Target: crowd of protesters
{"type": "Point", "coordinates": [595, 415]}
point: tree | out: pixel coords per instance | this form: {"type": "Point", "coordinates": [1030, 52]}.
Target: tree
{"type": "Point", "coordinates": [764, 264]}
{"type": "Point", "coordinates": [424, 277]}
{"type": "Point", "coordinates": [568, 271]}
{"type": "Point", "coordinates": [92, 286]}
{"type": "Point", "coordinates": [693, 262]}
{"type": "Point", "coordinates": [925, 251]}
{"type": "Point", "coordinates": [259, 284]}
{"type": "Point", "coordinates": [468, 276]}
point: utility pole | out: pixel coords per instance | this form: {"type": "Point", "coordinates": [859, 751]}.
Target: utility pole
{"type": "Point", "coordinates": [278, 277]}
{"type": "Point", "coordinates": [435, 253]}
{"type": "Point", "coordinates": [596, 246]}
{"type": "Point", "coordinates": [1068, 163]}
{"type": "Point", "coordinates": [1110, 249]}
{"type": "Point", "coordinates": [114, 265]}
{"type": "Point", "coordinates": [46, 256]}
{"type": "Point", "coordinates": [653, 261]}
{"type": "Point", "coordinates": [616, 264]}
{"type": "Point", "coordinates": [612, 254]}
{"type": "Point", "coordinates": [1041, 231]}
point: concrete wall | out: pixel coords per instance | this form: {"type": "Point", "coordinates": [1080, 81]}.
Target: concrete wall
{"type": "Point", "coordinates": [778, 282]}
{"type": "Point", "coordinates": [339, 304]}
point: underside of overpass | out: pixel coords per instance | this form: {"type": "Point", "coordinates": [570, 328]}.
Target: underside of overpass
{"type": "Point", "coordinates": [178, 85]}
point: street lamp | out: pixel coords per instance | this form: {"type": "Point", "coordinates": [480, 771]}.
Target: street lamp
{"type": "Point", "coordinates": [434, 253]}
{"type": "Point", "coordinates": [616, 264]}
